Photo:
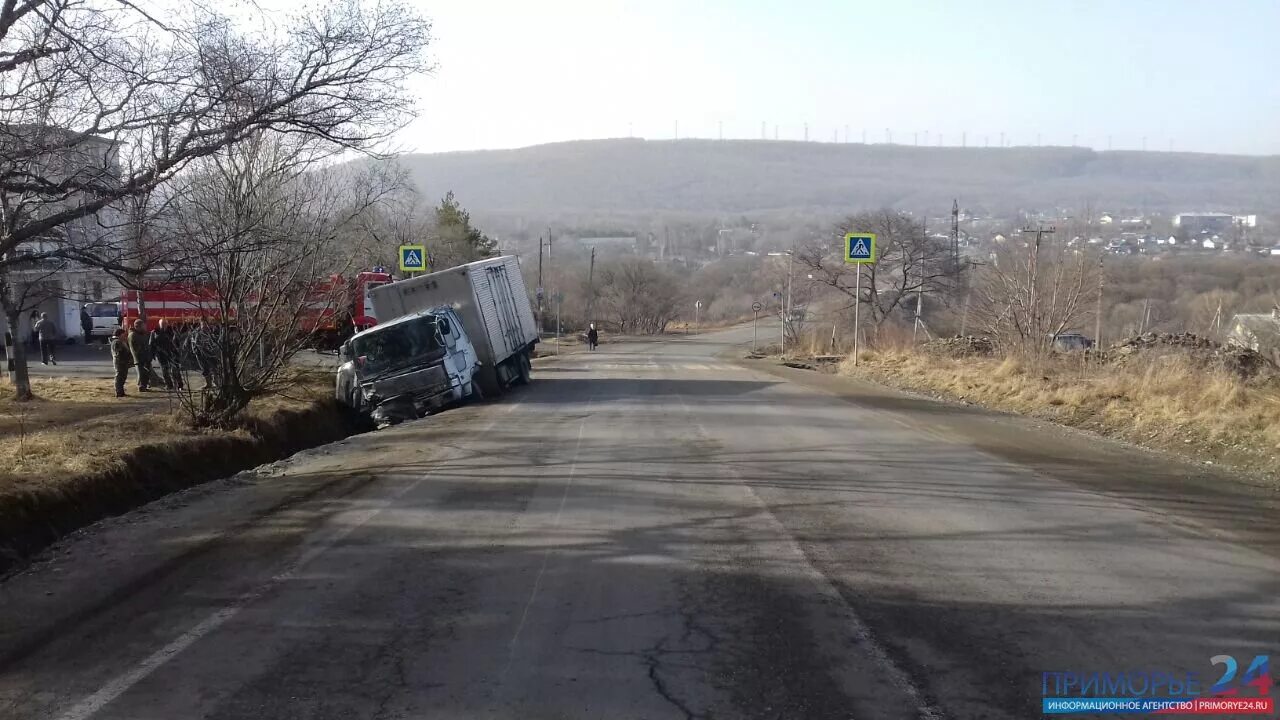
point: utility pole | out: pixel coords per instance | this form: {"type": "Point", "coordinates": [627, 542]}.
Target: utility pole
{"type": "Point", "coordinates": [541, 320]}
{"type": "Point", "coordinates": [1033, 292]}
{"type": "Point", "coordinates": [915, 329]}
{"type": "Point", "coordinates": [786, 312]}
{"type": "Point", "coordinates": [1097, 318]}
{"type": "Point", "coordinates": [955, 232]}
{"type": "Point", "coordinates": [591, 292]}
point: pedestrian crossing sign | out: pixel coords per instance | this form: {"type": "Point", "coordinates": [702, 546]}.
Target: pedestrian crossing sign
{"type": "Point", "coordinates": [413, 258]}
{"type": "Point", "coordinates": [860, 248]}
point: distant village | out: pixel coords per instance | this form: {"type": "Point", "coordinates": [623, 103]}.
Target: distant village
{"type": "Point", "coordinates": [1138, 234]}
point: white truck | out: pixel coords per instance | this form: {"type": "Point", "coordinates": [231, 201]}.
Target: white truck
{"type": "Point", "coordinates": [455, 334]}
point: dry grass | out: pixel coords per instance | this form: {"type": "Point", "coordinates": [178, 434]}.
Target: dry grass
{"type": "Point", "coordinates": [1165, 402]}
{"type": "Point", "coordinates": [77, 426]}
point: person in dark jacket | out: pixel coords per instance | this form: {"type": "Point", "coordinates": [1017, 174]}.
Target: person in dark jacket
{"type": "Point", "coordinates": [140, 348]}
{"type": "Point", "coordinates": [203, 341]}
{"type": "Point", "coordinates": [593, 338]}
{"type": "Point", "coordinates": [121, 359]}
{"type": "Point", "coordinates": [34, 319]}
{"type": "Point", "coordinates": [164, 349]}
{"type": "Point", "coordinates": [86, 323]}
{"type": "Point", "coordinates": [48, 336]}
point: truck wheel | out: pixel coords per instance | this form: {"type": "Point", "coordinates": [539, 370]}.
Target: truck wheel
{"type": "Point", "coordinates": [522, 369]}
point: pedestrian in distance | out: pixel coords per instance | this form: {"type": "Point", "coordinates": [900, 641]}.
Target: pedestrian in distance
{"type": "Point", "coordinates": [34, 339]}
{"type": "Point", "coordinates": [47, 334]}
{"type": "Point", "coordinates": [86, 323]}
{"type": "Point", "coordinates": [121, 359]}
{"type": "Point", "coordinates": [140, 347]}
{"type": "Point", "coordinates": [593, 338]}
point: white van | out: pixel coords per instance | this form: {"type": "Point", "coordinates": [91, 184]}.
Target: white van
{"type": "Point", "coordinates": [105, 318]}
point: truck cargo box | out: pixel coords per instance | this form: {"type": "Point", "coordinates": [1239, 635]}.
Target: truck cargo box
{"type": "Point", "coordinates": [490, 297]}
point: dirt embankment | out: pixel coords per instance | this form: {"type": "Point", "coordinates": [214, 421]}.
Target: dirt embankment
{"type": "Point", "coordinates": [1207, 402]}
{"type": "Point", "coordinates": [75, 458]}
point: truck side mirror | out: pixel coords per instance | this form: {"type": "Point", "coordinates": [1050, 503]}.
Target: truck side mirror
{"type": "Point", "coordinates": [446, 332]}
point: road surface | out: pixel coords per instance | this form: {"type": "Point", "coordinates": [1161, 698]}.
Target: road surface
{"type": "Point", "coordinates": [652, 531]}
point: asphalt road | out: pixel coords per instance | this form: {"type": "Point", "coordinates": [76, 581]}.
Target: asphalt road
{"type": "Point", "coordinates": [653, 531]}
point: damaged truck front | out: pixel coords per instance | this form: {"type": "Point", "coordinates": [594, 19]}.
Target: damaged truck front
{"type": "Point", "coordinates": [408, 367]}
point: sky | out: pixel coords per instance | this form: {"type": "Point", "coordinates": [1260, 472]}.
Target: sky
{"type": "Point", "coordinates": [1194, 75]}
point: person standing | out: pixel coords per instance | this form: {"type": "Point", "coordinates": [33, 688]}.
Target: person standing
{"type": "Point", "coordinates": [86, 323]}
{"type": "Point", "coordinates": [204, 351]}
{"type": "Point", "coordinates": [47, 333]}
{"type": "Point", "coordinates": [34, 340]}
{"type": "Point", "coordinates": [140, 348]}
{"type": "Point", "coordinates": [121, 359]}
{"type": "Point", "coordinates": [593, 338]}
{"type": "Point", "coordinates": [165, 351]}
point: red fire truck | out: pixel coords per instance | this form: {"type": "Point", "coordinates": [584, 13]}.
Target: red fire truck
{"type": "Point", "coordinates": [336, 307]}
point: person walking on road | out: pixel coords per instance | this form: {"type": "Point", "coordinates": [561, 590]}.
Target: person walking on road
{"type": "Point", "coordinates": [86, 323]}
{"type": "Point", "coordinates": [140, 348]}
{"type": "Point", "coordinates": [593, 338]}
{"type": "Point", "coordinates": [47, 333]}
{"type": "Point", "coordinates": [165, 350]}
{"type": "Point", "coordinates": [121, 359]}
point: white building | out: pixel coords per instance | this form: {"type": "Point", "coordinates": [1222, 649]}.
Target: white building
{"type": "Point", "coordinates": [60, 289]}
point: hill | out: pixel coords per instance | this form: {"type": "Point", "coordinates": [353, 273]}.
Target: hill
{"type": "Point", "coordinates": [738, 176]}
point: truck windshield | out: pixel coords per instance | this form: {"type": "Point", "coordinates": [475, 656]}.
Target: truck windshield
{"type": "Point", "coordinates": [392, 345]}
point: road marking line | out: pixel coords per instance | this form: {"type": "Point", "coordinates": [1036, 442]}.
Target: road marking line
{"type": "Point", "coordinates": [868, 641]}
{"type": "Point", "coordinates": [546, 554]}
{"type": "Point", "coordinates": [121, 684]}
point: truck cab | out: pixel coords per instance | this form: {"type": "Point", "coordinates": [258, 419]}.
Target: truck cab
{"type": "Point", "coordinates": [408, 367]}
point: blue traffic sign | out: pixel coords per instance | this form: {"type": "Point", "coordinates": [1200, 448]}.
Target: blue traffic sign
{"type": "Point", "coordinates": [860, 248]}
{"type": "Point", "coordinates": [413, 258]}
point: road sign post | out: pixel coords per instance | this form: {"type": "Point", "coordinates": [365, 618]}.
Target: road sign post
{"type": "Point", "coordinates": [413, 259]}
{"type": "Point", "coordinates": [697, 310]}
{"type": "Point", "coordinates": [755, 325]}
{"type": "Point", "coordinates": [859, 249]}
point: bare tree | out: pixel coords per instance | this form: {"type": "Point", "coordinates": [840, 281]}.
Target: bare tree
{"type": "Point", "coordinates": [908, 262]}
{"type": "Point", "coordinates": [82, 80]}
{"type": "Point", "coordinates": [640, 296]}
{"type": "Point", "coordinates": [263, 231]}
{"type": "Point", "coordinates": [401, 220]}
{"type": "Point", "coordinates": [1032, 291]}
